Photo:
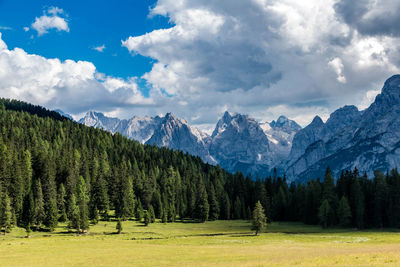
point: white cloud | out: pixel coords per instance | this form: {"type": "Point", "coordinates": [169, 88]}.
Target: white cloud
{"type": "Point", "coordinates": [73, 86]}
{"type": "Point", "coordinates": [337, 66]}
{"type": "Point", "coordinates": [256, 55]}
{"type": "Point", "coordinates": [50, 20]}
{"type": "Point", "coordinates": [26, 29]}
{"type": "Point", "coordinates": [100, 48]}
{"type": "Point", "coordinates": [5, 28]}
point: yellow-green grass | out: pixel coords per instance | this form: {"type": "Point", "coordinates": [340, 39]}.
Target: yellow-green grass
{"type": "Point", "coordinates": [219, 243]}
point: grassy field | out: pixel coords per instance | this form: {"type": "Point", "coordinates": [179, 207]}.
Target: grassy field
{"type": "Point", "coordinates": [220, 243]}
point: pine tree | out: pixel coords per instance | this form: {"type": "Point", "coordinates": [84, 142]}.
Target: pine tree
{"type": "Point", "coordinates": [39, 204]}
{"type": "Point", "coordinates": [152, 215]}
{"type": "Point", "coordinates": [324, 213]}
{"type": "Point", "coordinates": [61, 203]}
{"type": "Point", "coordinates": [73, 213]}
{"type": "Point", "coordinates": [139, 211]}
{"type": "Point", "coordinates": [146, 218]}
{"type": "Point", "coordinates": [119, 226]}
{"type": "Point", "coordinates": [259, 218]}
{"type": "Point", "coordinates": [344, 212]}
{"type": "Point", "coordinates": [5, 213]}
{"type": "Point", "coordinates": [202, 206]}
{"type": "Point", "coordinates": [28, 214]}
{"type": "Point", "coordinates": [238, 208]}
{"type": "Point", "coordinates": [214, 205]}
{"type": "Point", "coordinates": [83, 206]}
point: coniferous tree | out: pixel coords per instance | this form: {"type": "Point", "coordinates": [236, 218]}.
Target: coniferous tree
{"type": "Point", "coordinates": [119, 226]}
{"type": "Point", "coordinates": [238, 208]}
{"type": "Point", "coordinates": [39, 204]}
{"type": "Point", "coordinates": [61, 203]}
{"type": "Point", "coordinates": [214, 205]}
{"type": "Point", "coordinates": [73, 213]}
{"type": "Point", "coordinates": [139, 211]}
{"type": "Point", "coordinates": [146, 218]}
{"type": "Point", "coordinates": [152, 215]}
{"type": "Point", "coordinates": [259, 218]}
{"type": "Point", "coordinates": [344, 212]}
{"type": "Point", "coordinates": [82, 202]}
{"type": "Point", "coordinates": [324, 213]}
{"type": "Point", "coordinates": [202, 206]}
{"type": "Point", "coordinates": [5, 213]}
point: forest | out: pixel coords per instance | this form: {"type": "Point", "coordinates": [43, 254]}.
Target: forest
{"type": "Point", "coordinates": [55, 170]}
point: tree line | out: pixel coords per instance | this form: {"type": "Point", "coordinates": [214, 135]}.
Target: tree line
{"type": "Point", "coordinates": [55, 170]}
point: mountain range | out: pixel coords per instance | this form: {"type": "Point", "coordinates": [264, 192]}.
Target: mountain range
{"type": "Point", "coordinates": [367, 139]}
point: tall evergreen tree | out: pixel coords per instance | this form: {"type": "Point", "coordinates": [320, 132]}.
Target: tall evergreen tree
{"type": "Point", "coordinates": [82, 202]}
{"type": "Point", "coordinates": [259, 218]}
{"type": "Point", "coordinates": [344, 212]}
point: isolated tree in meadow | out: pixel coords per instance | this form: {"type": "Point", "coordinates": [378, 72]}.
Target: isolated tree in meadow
{"type": "Point", "coordinates": [324, 213]}
{"type": "Point", "coordinates": [119, 226]}
{"type": "Point", "coordinates": [146, 218]}
{"type": "Point", "coordinates": [259, 218]}
{"type": "Point", "coordinates": [344, 212]}
{"type": "Point", "coordinates": [5, 213]}
{"type": "Point", "coordinates": [152, 215]}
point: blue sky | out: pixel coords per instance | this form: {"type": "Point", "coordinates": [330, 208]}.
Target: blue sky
{"type": "Point", "coordinates": [200, 58]}
{"type": "Point", "coordinates": [91, 24]}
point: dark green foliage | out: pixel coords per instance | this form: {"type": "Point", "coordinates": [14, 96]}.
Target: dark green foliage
{"type": "Point", "coordinates": [139, 211]}
{"type": "Point", "coordinates": [259, 218]}
{"type": "Point", "coordinates": [119, 226]}
{"type": "Point", "coordinates": [202, 206]}
{"type": "Point", "coordinates": [53, 169]}
{"type": "Point", "coordinates": [146, 218]}
{"type": "Point", "coordinates": [344, 212]}
{"type": "Point", "coordinates": [152, 215]}
{"type": "Point", "coordinates": [325, 213]}
{"type": "Point", "coordinates": [5, 213]}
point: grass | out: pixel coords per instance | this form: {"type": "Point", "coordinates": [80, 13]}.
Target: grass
{"type": "Point", "coordinates": [219, 243]}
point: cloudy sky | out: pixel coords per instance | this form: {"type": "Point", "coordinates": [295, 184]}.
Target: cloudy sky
{"type": "Point", "coordinates": [198, 58]}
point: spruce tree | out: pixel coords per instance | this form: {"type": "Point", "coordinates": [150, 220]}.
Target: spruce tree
{"type": "Point", "coordinates": [259, 218]}
{"type": "Point", "coordinates": [82, 202]}
{"type": "Point", "coordinates": [5, 213]}
{"type": "Point", "coordinates": [324, 213]}
{"type": "Point", "coordinates": [202, 206]}
{"type": "Point", "coordinates": [61, 203]}
{"type": "Point", "coordinates": [146, 218]}
{"type": "Point", "coordinates": [139, 211]}
{"type": "Point", "coordinates": [152, 215]}
{"type": "Point", "coordinates": [119, 226]}
{"type": "Point", "coordinates": [214, 205]}
{"type": "Point", "coordinates": [344, 212]}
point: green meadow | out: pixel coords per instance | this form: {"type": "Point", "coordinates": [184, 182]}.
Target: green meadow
{"type": "Point", "coordinates": [217, 243]}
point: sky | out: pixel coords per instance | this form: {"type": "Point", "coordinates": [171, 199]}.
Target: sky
{"type": "Point", "coordinates": [197, 59]}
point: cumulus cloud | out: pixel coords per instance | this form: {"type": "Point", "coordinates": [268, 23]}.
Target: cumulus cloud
{"type": "Point", "coordinates": [259, 57]}
{"type": "Point", "coordinates": [99, 48]}
{"type": "Point", "coordinates": [51, 19]}
{"type": "Point", "coordinates": [337, 66]}
{"type": "Point", "coordinates": [73, 86]}
{"type": "Point", "coordinates": [371, 17]}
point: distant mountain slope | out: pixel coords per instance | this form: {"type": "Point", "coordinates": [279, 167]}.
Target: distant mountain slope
{"type": "Point", "coordinates": [368, 140]}
{"type": "Point", "coordinates": [238, 143]}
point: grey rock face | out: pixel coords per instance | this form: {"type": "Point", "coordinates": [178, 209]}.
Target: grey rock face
{"type": "Point", "coordinates": [368, 140]}
{"type": "Point", "coordinates": [167, 131]}
{"type": "Point", "coordinates": [239, 143]}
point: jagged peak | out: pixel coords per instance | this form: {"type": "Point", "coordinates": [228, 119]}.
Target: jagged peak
{"type": "Point", "coordinates": [392, 86]}
{"type": "Point", "coordinates": [317, 120]}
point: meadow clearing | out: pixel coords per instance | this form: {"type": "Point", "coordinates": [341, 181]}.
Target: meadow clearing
{"type": "Point", "coordinates": [217, 243]}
